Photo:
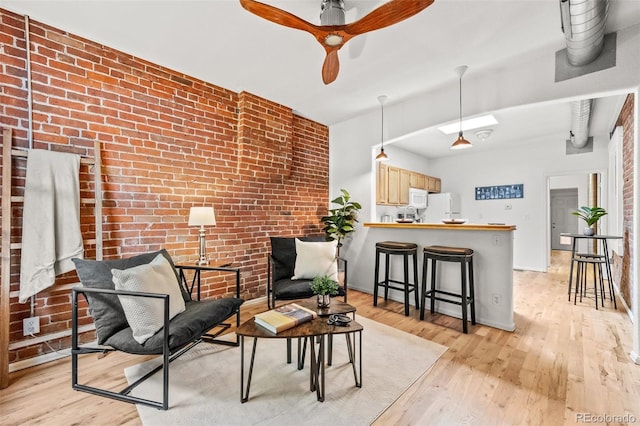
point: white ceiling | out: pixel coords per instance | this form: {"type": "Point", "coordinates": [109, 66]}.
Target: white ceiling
{"type": "Point", "coordinates": [220, 42]}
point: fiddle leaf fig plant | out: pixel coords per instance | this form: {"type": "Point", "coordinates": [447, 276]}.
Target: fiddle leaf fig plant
{"type": "Point", "coordinates": [340, 221]}
{"type": "Point", "coordinates": [591, 215]}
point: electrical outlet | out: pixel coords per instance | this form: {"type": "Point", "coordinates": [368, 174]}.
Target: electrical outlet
{"type": "Point", "coordinates": [497, 241]}
{"type": "Point", "coordinates": [31, 326]}
{"type": "Point", "coordinates": [497, 299]}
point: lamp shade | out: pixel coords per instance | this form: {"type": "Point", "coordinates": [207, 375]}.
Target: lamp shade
{"type": "Point", "coordinates": [461, 143]}
{"type": "Point", "coordinates": [382, 156]}
{"type": "Point", "coordinates": [202, 216]}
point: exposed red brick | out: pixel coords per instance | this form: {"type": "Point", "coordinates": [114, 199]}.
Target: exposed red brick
{"type": "Point", "coordinates": [169, 142]}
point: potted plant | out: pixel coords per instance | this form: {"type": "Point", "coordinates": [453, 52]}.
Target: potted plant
{"type": "Point", "coordinates": [591, 215]}
{"type": "Point", "coordinates": [324, 287]}
{"type": "Point", "coordinates": [340, 221]}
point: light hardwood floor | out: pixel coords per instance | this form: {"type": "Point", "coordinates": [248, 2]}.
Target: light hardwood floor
{"type": "Point", "coordinates": [562, 362]}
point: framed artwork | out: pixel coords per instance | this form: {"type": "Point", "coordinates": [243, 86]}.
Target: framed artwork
{"type": "Point", "coordinates": [499, 192]}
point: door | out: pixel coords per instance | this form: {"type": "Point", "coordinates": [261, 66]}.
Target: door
{"type": "Point", "coordinates": [563, 203]}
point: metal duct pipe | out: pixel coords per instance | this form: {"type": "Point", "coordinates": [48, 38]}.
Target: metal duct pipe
{"type": "Point", "coordinates": [583, 24]}
{"type": "Point", "coordinates": [332, 12]}
{"type": "Point", "coordinates": [580, 120]}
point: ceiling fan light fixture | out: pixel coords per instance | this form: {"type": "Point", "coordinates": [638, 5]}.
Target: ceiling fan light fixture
{"type": "Point", "coordinates": [461, 142]}
{"type": "Point", "coordinates": [333, 40]}
{"type": "Point", "coordinates": [333, 33]}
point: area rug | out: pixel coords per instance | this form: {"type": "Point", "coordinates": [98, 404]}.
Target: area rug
{"type": "Point", "coordinates": [205, 382]}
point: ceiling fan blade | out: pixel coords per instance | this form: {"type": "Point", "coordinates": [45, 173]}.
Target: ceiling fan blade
{"type": "Point", "coordinates": [331, 66]}
{"type": "Point", "coordinates": [388, 14]}
{"type": "Point", "coordinates": [278, 16]}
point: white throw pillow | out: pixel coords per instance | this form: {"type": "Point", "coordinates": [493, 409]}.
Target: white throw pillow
{"type": "Point", "coordinates": [146, 315]}
{"type": "Point", "coordinates": [315, 259]}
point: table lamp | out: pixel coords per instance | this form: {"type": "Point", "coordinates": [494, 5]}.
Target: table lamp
{"type": "Point", "coordinates": [202, 216]}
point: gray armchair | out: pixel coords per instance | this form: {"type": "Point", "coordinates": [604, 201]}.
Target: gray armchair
{"type": "Point", "coordinates": [199, 321]}
{"type": "Point", "coordinates": [281, 266]}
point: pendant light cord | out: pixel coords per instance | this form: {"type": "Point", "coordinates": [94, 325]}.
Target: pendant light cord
{"type": "Point", "coordinates": [382, 126]}
{"type": "Point", "coordinates": [460, 109]}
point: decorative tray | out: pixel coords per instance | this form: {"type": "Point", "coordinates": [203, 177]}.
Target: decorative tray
{"type": "Point", "coordinates": [453, 221]}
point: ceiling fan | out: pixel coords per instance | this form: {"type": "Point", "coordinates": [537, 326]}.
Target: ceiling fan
{"type": "Point", "coordinates": [333, 33]}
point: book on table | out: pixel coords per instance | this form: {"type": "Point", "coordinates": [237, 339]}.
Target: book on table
{"type": "Point", "coordinates": [284, 317]}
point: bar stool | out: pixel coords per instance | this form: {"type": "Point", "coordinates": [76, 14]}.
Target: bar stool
{"type": "Point", "coordinates": [583, 263]}
{"type": "Point", "coordinates": [461, 255]}
{"type": "Point", "coordinates": [391, 248]}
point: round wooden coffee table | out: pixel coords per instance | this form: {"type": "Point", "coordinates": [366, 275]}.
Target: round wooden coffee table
{"type": "Point", "coordinates": [316, 329]}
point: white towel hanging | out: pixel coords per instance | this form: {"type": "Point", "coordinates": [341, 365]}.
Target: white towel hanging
{"type": "Point", "coordinates": [51, 234]}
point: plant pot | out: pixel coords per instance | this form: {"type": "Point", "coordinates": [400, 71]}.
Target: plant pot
{"type": "Point", "coordinates": [324, 300]}
{"type": "Point", "coordinates": [588, 232]}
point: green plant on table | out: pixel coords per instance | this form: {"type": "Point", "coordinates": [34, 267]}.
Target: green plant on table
{"type": "Point", "coordinates": [324, 285]}
{"type": "Point", "coordinates": [591, 215]}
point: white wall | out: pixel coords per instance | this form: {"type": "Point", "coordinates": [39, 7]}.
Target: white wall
{"type": "Point", "coordinates": [529, 164]}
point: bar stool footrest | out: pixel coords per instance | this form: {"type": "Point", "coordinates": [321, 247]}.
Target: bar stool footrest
{"type": "Point", "coordinates": [455, 302]}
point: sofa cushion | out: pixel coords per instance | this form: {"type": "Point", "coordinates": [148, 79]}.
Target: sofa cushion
{"type": "Point", "coordinates": [283, 251]}
{"type": "Point", "coordinates": [288, 289]}
{"type": "Point", "coordinates": [145, 315]}
{"type": "Point", "coordinates": [198, 318]}
{"type": "Point", "coordinates": [106, 309]}
{"type": "Point", "coordinates": [315, 259]}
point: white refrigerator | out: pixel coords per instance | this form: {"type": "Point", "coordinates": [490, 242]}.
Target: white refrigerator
{"type": "Point", "coordinates": [445, 205]}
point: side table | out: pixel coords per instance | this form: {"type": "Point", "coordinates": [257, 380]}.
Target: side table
{"type": "Point", "coordinates": [195, 281]}
{"type": "Point", "coordinates": [336, 307]}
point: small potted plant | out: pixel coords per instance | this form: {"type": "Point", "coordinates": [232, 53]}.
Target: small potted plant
{"type": "Point", "coordinates": [324, 287]}
{"type": "Point", "coordinates": [591, 215]}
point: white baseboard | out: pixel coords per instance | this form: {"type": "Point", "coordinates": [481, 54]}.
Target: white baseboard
{"type": "Point", "coordinates": [37, 360]}
{"type": "Point", "coordinates": [262, 299]}
{"type": "Point", "coordinates": [635, 357]}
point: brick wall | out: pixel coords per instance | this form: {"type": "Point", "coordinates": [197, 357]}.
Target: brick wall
{"type": "Point", "coordinates": [624, 263]}
{"type": "Point", "coordinates": [168, 142]}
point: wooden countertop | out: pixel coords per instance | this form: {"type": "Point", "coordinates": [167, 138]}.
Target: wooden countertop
{"type": "Point", "coordinates": [459, 227]}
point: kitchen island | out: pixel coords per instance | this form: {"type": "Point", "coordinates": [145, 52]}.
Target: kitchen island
{"type": "Point", "coordinates": [493, 264]}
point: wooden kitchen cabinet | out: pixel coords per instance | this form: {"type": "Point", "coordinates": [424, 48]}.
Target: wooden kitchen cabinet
{"type": "Point", "coordinates": [393, 183]}
{"type": "Point", "coordinates": [418, 180]}
{"type": "Point", "coordinates": [434, 184]}
{"type": "Point", "coordinates": [403, 189]}
{"type": "Point", "coordinates": [382, 184]}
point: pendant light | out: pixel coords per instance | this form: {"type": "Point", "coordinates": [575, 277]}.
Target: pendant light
{"type": "Point", "coordinates": [382, 156]}
{"type": "Point", "coordinates": [461, 142]}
